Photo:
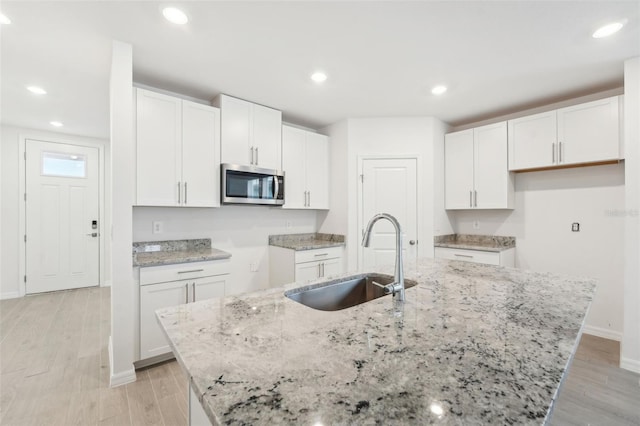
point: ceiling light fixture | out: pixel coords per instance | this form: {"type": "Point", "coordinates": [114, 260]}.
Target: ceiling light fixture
{"type": "Point", "coordinates": [608, 30]}
{"type": "Point", "coordinates": [4, 20]}
{"type": "Point", "coordinates": [55, 123]}
{"type": "Point", "coordinates": [318, 77]}
{"type": "Point", "coordinates": [439, 90]}
{"type": "Point", "coordinates": [37, 90]}
{"type": "Point", "coordinates": [175, 15]}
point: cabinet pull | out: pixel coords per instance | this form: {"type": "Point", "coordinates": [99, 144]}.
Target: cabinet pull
{"type": "Point", "coordinates": [309, 203]}
{"type": "Point", "coordinates": [553, 153]}
{"type": "Point", "coordinates": [257, 160]}
{"type": "Point", "coordinates": [186, 296]}
{"type": "Point", "coordinates": [463, 255]}
{"type": "Point", "coordinates": [475, 198]}
{"type": "Point", "coordinates": [470, 198]}
{"type": "Point", "coordinates": [193, 292]}
{"type": "Point", "coordinates": [191, 270]}
{"type": "Point", "coordinates": [179, 193]}
{"type": "Point", "coordinates": [559, 152]}
{"type": "Point", "coordinates": [305, 198]}
{"type": "Point", "coordinates": [252, 156]}
{"type": "Point", "coordinates": [323, 270]}
{"type": "Point", "coordinates": [320, 254]}
{"type": "Point", "coordinates": [185, 193]}
{"type": "Point", "coordinates": [319, 274]}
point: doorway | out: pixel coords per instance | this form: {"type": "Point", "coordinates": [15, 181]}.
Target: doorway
{"type": "Point", "coordinates": [62, 216]}
{"type": "Point", "coordinates": [388, 185]}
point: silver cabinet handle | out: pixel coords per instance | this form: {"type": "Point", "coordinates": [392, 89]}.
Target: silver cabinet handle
{"type": "Point", "coordinates": [470, 198]}
{"type": "Point", "coordinates": [463, 255]}
{"type": "Point", "coordinates": [553, 153]}
{"type": "Point", "coordinates": [193, 295]}
{"type": "Point", "coordinates": [185, 193]}
{"type": "Point", "coordinates": [322, 269]}
{"type": "Point", "coordinates": [306, 197]}
{"type": "Point", "coordinates": [412, 242]}
{"type": "Point", "coordinates": [559, 152]}
{"type": "Point", "coordinates": [251, 155]}
{"type": "Point", "coordinates": [190, 271]}
{"type": "Point", "coordinates": [179, 193]}
{"type": "Point", "coordinates": [319, 275]}
{"type": "Point", "coordinates": [186, 297]}
{"type": "Point", "coordinates": [257, 160]}
{"type": "Point", "coordinates": [475, 198]}
{"type": "Point", "coordinates": [320, 254]}
{"type": "Point", "coordinates": [309, 203]}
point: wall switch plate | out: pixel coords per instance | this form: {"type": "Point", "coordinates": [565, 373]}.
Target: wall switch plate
{"type": "Point", "coordinates": [476, 224]}
{"type": "Point", "coordinates": [575, 227]}
{"type": "Point", "coordinates": [253, 267]}
{"type": "Point", "coordinates": [157, 227]}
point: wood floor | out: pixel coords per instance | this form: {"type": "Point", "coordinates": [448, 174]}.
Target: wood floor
{"type": "Point", "coordinates": [54, 370]}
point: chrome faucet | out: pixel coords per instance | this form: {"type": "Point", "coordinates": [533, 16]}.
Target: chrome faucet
{"type": "Point", "coordinates": [397, 286]}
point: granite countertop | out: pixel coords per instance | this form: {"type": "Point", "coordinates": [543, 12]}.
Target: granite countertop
{"type": "Point", "coordinates": [175, 251]}
{"type": "Point", "coordinates": [493, 243]}
{"type": "Point", "coordinates": [473, 344]}
{"type": "Point", "coordinates": [306, 241]}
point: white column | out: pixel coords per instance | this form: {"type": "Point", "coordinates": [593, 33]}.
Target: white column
{"type": "Point", "coordinates": [630, 353]}
{"type": "Point", "coordinates": [122, 196]}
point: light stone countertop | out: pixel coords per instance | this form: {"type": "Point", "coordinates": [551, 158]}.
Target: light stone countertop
{"type": "Point", "coordinates": [310, 241]}
{"type": "Point", "coordinates": [176, 251]}
{"type": "Point", "coordinates": [483, 344]}
{"type": "Point", "coordinates": [493, 243]}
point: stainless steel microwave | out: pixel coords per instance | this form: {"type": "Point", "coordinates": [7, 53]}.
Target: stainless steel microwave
{"type": "Point", "coordinates": [251, 185]}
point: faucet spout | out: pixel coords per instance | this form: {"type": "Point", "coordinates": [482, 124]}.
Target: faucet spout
{"type": "Point", "coordinates": [397, 287]}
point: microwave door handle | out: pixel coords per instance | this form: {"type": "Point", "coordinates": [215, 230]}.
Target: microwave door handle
{"type": "Point", "coordinates": [276, 184]}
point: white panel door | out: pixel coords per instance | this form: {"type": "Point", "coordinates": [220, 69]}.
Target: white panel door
{"type": "Point", "coordinates": [155, 296]}
{"type": "Point", "coordinates": [491, 174]}
{"type": "Point", "coordinates": [158, 149]}
{"type": "Point", "coordinates": [62, 203]}
{"type": "Point", "coordinates": [389, 186]}
{"type": "Point", "coordinates": [532, 141]}
{"type": "Point", "coordinates": [458, 168]}
{"type": "Point", "coordinates": [267, 137]}
{"type": "Point", "coordinates": [317, 171]}
{"type": "Point", "coordinates": [293, 164]}
{"type": "Point", "coordinates": [200, 155]}
{"type": "Point", "coordinates": [208, 287]}
{"type": "Point", "coordinates": [589, 132]}
{"type": "Point", "coordinates": [235, 139]}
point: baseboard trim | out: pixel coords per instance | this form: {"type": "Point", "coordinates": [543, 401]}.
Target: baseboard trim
{"type": "Point", "coordinates": [630, 364]}
{"type": "Point", "coordinates": [602, 332]}
{"type": "Point", "coordinates": [122, 378]}
{"type": "Point", "coordinates": [10, 295]}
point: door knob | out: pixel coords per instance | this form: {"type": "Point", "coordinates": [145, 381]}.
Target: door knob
{"type": "Point", "coordinates": [93, 234]}
{"type": "Point", "coordinates": [412, 242]}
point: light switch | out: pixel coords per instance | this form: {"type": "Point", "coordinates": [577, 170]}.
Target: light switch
{"type": "Point", "coordinates": [157, 227]}
{"type": "Point", "coordinates": [575, 227]}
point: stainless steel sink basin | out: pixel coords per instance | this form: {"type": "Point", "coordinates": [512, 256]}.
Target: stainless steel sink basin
{"type": "Point", "coordinates": [344, 292]}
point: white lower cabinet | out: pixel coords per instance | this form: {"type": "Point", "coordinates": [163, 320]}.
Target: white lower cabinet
{"type": "Point", "coordinates": [287, 266]}
{"type": "Point", "coordinates": [197, 415]}
{"type": "Point", "coordinates": [502, 258]}
{"type": "Point", "coordinates": [159, 288]}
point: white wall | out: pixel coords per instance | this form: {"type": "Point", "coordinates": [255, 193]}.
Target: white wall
{"type": "Point", "coordinates": [242, 231]}
{"type": "Point", "coordinates": [630, 354]}
{"type": "Point", "coordinates": [382, 136]}
{"type": "Point", "coordinates": [547, 203]}
{"type": "Point", "coordinates": [11, 242]}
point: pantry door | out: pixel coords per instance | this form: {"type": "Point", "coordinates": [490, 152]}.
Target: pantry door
{"type": "Point", "coordinates": [62, 216]}
{"type": "Point", "coordinates": [389, 185]}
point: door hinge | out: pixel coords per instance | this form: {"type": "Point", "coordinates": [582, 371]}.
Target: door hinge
{"type": "Point", "coordinates": [362, 178]}
{"type": "Point", "coordinates": [25, 238]}
{"type": "Point", "coordinates": [25, 278]}
{"type": "Point", "coordinates": [25, 196]}
{"type": "Point", "coordinates": [25, 155]}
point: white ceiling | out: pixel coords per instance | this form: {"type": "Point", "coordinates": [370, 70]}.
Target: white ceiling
{"type": "Point", "coordinates": [382, 58]}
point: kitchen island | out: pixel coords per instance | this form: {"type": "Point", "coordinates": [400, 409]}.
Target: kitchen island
{"type": "Point", "coordinates": [472, 344]}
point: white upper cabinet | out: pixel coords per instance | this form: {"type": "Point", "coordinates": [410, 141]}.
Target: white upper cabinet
{"type": "Point", "coordinates": [476, 172]}
{"type": "Point", "coordinates": [177, 145]}
{"type": "Point", "coordinates": [305, 161]}
{"type": "Point", "coordinates": [580, 134]}
{"type": "Point", "coordinates": [251, 134]}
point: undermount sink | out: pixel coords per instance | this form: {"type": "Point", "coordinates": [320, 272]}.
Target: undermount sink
{"type": "Point", "coordinates": [343, 293]}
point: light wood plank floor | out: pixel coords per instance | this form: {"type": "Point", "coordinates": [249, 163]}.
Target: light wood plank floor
{"type": "Point", "coordinates": [54, 370]}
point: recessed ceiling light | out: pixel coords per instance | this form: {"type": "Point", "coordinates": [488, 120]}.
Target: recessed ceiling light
{"type": "Point", "coordinates": [4, 20]}
{"type": "Point", "coordinates": [608, 30]}
{"type": "Point", "coordinates": [318, 77]}
{"type": "Point", "coordinates": [55, 123]}
{"type": "Point", "coordinates": [37, 90]}
{"type": "Point", "coordinates": [439, 90]}
{"type": "Point", "coordinates": [175, 15]}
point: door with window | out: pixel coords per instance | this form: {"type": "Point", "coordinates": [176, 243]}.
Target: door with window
{"type": "Point", "coordinates": [389, 185]}
{"type": "Point", "coordinates": [62, 216]}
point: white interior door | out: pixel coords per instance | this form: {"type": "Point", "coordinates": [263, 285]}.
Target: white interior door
{"type": "Point", "coordinates": [389, 186]}
{"type": "Point", "coordinates": [62, 216]}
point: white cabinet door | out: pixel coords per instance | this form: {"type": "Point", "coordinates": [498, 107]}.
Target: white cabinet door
{"type": "Point", "coordinates": [267, 137]}
{"type": "Point", "coordinates": [308, 271]}
{"type": "Point", "coordinates": [492, 183]}
{"type": "Point", "coordinates": [235, 117]}
{"type": "Point", "coordinates": [293, 164]}
{"type": "Point", "coordinates": [532, 141]}
{"type": "Point", "coordinates": [317, 171]}
{"type": "Point", "coordinates": [152, 297]}
{"type": "Point", "coordinates": [331, 267]}
{"type": "Point", "coordinates": [458, 154]}
{"type": "Point", "coordinates": [158, 153]}
{"type": "Point", "coordinates": [589, 132]}
{"type": "Point", "coordinates": [208, 287]}
{"type": "Point", "coordinates": [200, 155]}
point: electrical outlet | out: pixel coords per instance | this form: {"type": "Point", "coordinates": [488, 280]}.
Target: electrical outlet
{"type": "Point", "coordinates": [253, 267]}
{"type": "Point", "coordinates": [157, 227]}
{"type": "Point", "coordinates": [287, 224]}
{"type": "Point", "coordinates": [476, 224]}
{"type": "Point", "coordinates": [575, 227]}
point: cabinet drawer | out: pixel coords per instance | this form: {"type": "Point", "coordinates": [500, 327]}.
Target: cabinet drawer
{"type": "Point", "coordinates": [476, 256]}
{"type": "Point", "coordinates": [318, 254]}
{"type": "Point", "coordinates": [183, 271]}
